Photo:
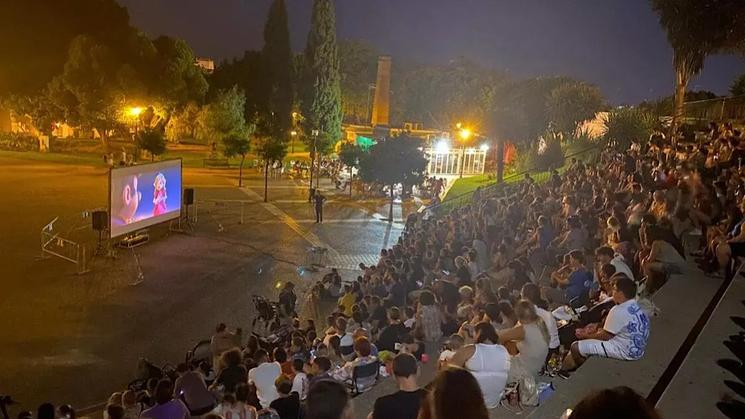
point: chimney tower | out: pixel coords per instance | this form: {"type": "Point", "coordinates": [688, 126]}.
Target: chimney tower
{"type": "Point", "coordinates": [382, 103]}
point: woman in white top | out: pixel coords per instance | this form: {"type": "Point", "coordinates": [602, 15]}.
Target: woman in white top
{"type": "Point", "coordinates": [529, 339]}
{"type": "Point", "coordinates": [532, 293]}
{"type": "Point", "coordinates": [488, 361]}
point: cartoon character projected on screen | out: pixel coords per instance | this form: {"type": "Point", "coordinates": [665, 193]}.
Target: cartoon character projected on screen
{"type": "Point", "coordinates": [159, 195]}
{"type": "Point", "coordinates": [128, 201]}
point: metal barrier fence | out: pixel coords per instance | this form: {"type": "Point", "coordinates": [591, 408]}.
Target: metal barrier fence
{"type": "Point", "coordinates": [539, 176]}
{"type": "Point", "coordinates": [719, 109]}
{"type": "Point", "coordinates": [54, 244]}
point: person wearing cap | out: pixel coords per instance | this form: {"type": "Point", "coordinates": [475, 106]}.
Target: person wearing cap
{"type": "Point", "coordinates": [403, 404]}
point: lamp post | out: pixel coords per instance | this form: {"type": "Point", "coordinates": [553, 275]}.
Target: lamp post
{"type": "Point", "coordinates": [314, 134]}
{"type": "Point", "coordinates": [135, 113]}
{"type": "Point", "coordinates": [293, 136]}
{"type": "Point", "coordinates": [464, 134]}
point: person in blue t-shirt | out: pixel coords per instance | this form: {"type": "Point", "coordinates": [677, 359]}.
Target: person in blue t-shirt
{"type": "Point", "coordinates": [572, 288]}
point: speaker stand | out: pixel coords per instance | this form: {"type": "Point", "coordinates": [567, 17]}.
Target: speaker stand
{"type": "Point", "coordinates": [183, 225]}
{"type": "Point", "coordinates": [102, 245]}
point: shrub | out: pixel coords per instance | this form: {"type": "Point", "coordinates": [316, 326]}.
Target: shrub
{"type": "Point", "coordinates": [18, 142]}
{"type": "Point", "coordinates": [625, 125]}
{"type": "Point", "coordinates": [583, 147]}
{"type": "Point", "coordinates": [152, 141]}
{"type": "Point", "coordinates": [544, 155]}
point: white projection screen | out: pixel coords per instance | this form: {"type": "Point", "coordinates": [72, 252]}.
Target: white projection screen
{"type": "Point", "coordinates": [143, 195]}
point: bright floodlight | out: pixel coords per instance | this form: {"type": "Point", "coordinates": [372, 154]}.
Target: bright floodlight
{"type": "Point", "coordinates": [484, 147]}
{"type": "Point", "coordinates": [465, 134]}
{"type": "Point", "coordinates": [135, 111]}
{"type": "Point", "coordinates": [442, 147]}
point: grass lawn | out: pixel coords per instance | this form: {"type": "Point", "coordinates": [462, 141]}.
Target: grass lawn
{"type": "Point", "coordinates": [469, 184]}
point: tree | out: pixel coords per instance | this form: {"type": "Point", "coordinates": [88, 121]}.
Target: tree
{"type": "Point", "coordinates": [223, 117]}
{"type": "Point", "coordinates": [237, 146]}
{"type": "Point", "coordinates": [358, 68]}
{"type": "Point", "coordinates": [177, 81]}
{"type": "Point", "coordinates": [152, 141]}
{"type": "Point", "coordinates": [351, 154]}
{"type": "Point", "coordinates": [278, 68]}
{"type": "Point", "coordinates": [90, 89]}
{"type": "Point", "coordinates": [270, 151]}
{"type": "Point", "coordinates": [571, 104]}
{"type": "Point", "coordinates": [43, 112]}
{"type": "Point", "coordinates": [245, 72]}
{"type": "Point", "coordinates": [738, 86]}
{"type": "Point", "coordinates": [321, 104]}
{"type": "Point", "coordinates": [443, 95]}
{"type": "Point", "coordinates": [696, 29]}
{"type": "Point", "coordinates": [393, 161]}
{"type": "Point", "coordinates": [625, 125]}
{"type": "Point", "coordinates": [184, 123]}
{"type": "Point", "coordinates": [517, 112]}
{"type": "Point", "coordinates": [274, 119]}
{"type": "Point", "coordinates": [35, 36]}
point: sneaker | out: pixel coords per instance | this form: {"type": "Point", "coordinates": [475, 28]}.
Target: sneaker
{"type": "Point", "coordinates": [563, 374]}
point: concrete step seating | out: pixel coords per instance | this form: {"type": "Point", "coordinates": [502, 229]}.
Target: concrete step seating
{"type": "Point", "coordinates": [681, 302]}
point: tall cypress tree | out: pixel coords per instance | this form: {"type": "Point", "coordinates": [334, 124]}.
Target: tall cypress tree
{"type": "Point", "coordinates": [275, 118]}
{"type": "Point", "coordinates": [321, 103]}
{"type": "Point", "coordinates": [278, 68]}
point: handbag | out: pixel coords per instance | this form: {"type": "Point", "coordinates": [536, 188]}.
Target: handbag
{"type": "Point", "coordinates": [527, 389]}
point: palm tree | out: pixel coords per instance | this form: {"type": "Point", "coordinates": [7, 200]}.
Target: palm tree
{"type": "Point", "coordinates": [696, 29]}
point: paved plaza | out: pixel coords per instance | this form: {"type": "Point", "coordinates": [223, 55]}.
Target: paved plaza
{"type": "Point", "coordinates": [82, 335]}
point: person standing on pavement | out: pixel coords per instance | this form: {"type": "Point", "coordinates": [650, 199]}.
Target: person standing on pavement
{"type": "Point", "coordinates": [311, 194]}
{"type": "Point", "coordinates": [287, 300]}
{"type": "Point", "coordinates": [318, 200]}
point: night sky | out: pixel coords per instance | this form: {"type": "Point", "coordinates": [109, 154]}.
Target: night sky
{"type": "Point", "coordinates": [616, 44]}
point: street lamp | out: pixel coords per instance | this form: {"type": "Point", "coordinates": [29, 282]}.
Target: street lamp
{"type": "Point", "coordinates": [135, 113]}
{"type": "Point", "coordinates": [314, 134]}
{"type": "Point", "coordinates": [464, 134]}
{"type": "Point", "coordinates": [293, 135]}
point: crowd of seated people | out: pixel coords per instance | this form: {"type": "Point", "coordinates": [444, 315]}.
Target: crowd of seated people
{"type": "Point", "coordinates": [453, 393]}
{"type": "Point", "coordinates": [528, 279]}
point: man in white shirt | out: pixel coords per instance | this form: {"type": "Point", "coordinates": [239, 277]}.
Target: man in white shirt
{"type": "Point", "coordinates": [624, 334]}
{"type": "Point", "coordinates": [263, 377]}
{"type": "Point", "coordinates": [300, 382]}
